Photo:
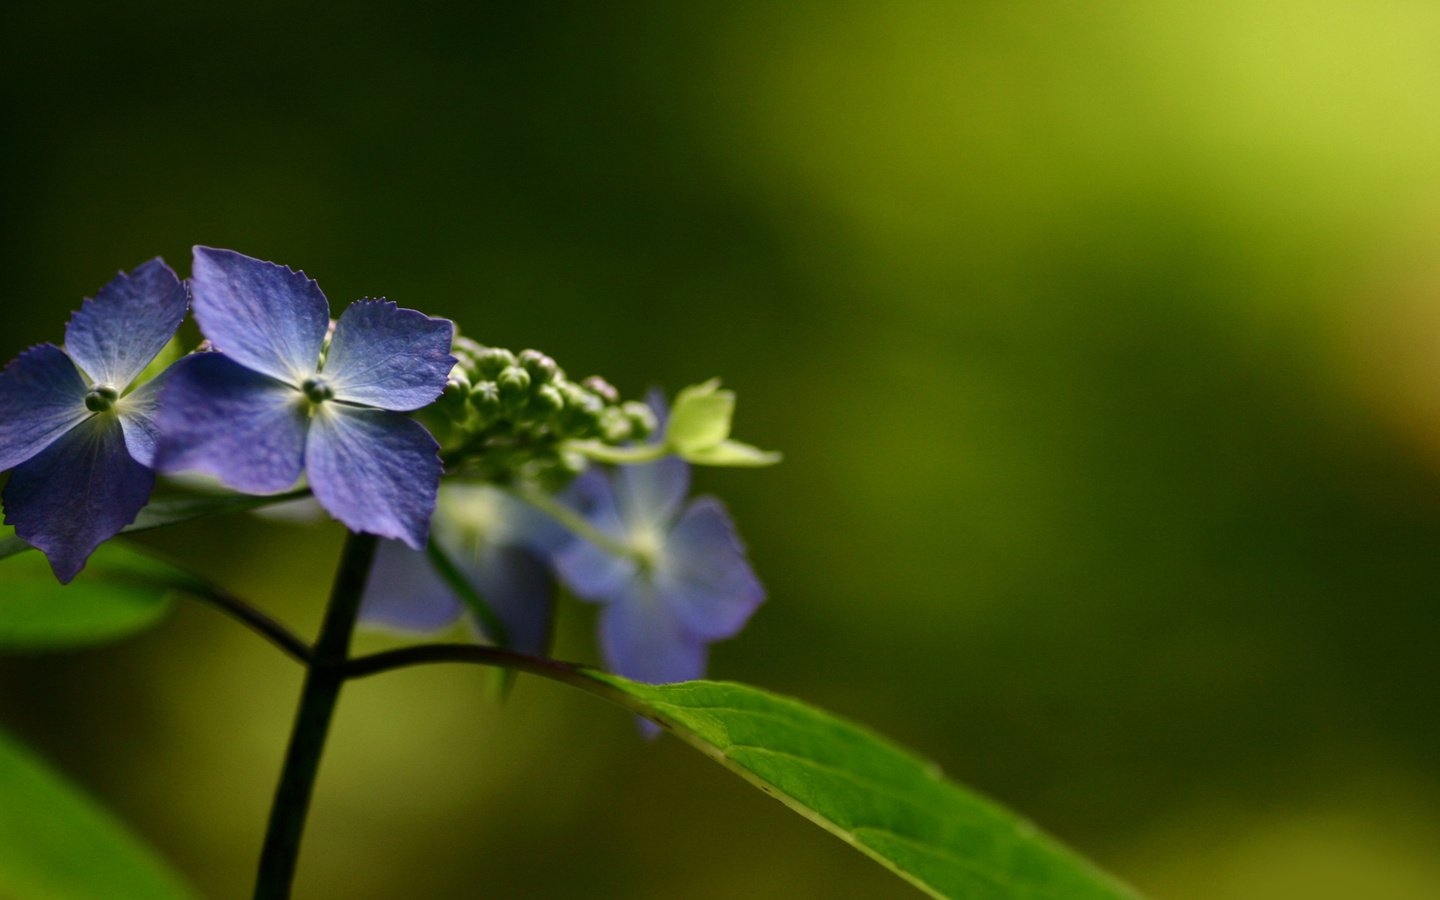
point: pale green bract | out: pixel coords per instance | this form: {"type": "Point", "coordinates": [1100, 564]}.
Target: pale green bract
{"type": "Point", "coordinates": [892, 806]}
{"type": "Point", "coordinates": [698, 430]}
{"type": "Point", "coordinates": [701, 417]}
{"type": "Point", "coordinates": [58, 844]}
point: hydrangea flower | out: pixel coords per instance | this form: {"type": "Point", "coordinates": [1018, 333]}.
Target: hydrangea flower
{"type": "Point", "coordinates": [672, 578]}
{"type": "Point", "coordinates": [79, 439]}
{"type": "Point", "coordinates": [499, 545]}
{"type": "Point", "coordinates": [274, 403]}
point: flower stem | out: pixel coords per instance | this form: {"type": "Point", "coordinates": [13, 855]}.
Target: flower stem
{"type": "Point", "coordinates": [325, 673]}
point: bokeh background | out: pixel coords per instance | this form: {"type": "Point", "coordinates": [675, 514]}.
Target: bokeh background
{"type": "Point", "coordinates": [1101, 339]}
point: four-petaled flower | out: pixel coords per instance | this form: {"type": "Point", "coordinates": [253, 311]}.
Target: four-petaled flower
{"type": "Point", "coordinates": [672, 580]}
{"type": "Point", "coordinates": [497, 544]}
{"type": "Point", "coordinates": [80, 441]}
{"type": "Point", "coordinates": [274, 403]}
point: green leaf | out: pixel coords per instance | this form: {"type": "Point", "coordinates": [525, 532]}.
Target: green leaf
{"type": "Point", "coordinates": [889, 804]}
{"type": "Point", "coordinates": [57, 844]}
{"type": "Point", "coordinates": [121, 592]}
{"type": "Point", "coordinates": [731, 453]}
{"type": "Point", "coordinates": [701, 417]}
{"type": "Point", "coordinates": [175, 509]}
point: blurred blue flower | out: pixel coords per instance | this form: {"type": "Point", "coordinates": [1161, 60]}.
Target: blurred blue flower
{"type": "Point", "coordinates": [274, 403]}
{"type": "Point", "coordinates": [500, 546]}
{"type": "Point", "coordinates": [80, 445]}
{"type": "Point", "coordinates": [672, 577]}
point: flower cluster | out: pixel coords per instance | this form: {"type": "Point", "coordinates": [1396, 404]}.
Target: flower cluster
{"type": "Point", "coordinates": [369, 412]}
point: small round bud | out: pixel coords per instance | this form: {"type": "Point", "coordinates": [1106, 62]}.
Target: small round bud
{"type": "Point", "coordinates": [581, 416]}
{"type": "Point", "coordinates": [466, 350]}
{"type": "Point", "coordinates": [547, 400]}
{"type": "Point", "coordinates": [514, 384]}
{"type": "Point", "coordinates": [642, 419]}
{"type": "Point", "coordinates": [542, 368]}
{"type": "Point", "coordinates": [604, 389]}
{"type": "Point", "coordinates": [101, 398]}
{"type": "Point", "coordinates": [316, 390]}
{"type": "Point", "coordinates": [485, 400]}
{"type": "Point", "coordinates": [491, 361]}
{"type": "Point", "coordinates": [615, 426]}
{"type": "Point", "coordinates": [457, 390]}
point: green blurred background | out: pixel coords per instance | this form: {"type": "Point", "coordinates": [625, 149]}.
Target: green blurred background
{"type": "Point", "coordinates": [1101, 339]}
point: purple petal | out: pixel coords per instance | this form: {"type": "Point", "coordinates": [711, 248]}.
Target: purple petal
{"type": "Point", "coordinates": [651, 493]}
{"type": "Point", "coordinates": [642, 640]}
{"type": "Point", "coordinates": [404, 592]}
{"type": "Point", "coordinates": [389, 357]}
{"type": "Point", "coordinates": [264, 316]}
{"type": "Point", "coordinates": [375, 471]}
{"type": "Point", "coordinates": [704, 576]}
{"type": "Point", "coordinates": [592, 573]}
{"type": "Point", "coordinates": [77, 494]}
{"type": "Point", "coordinates": [114, 336]}
{"type": "Point", "coordinates": [42, 396]}
{"type": "Point", "coordinates": [520, 588]}
{"type": "Point", "coordinates": [244, 428]}
{"type": "Point", "coordinates": [138, 411]}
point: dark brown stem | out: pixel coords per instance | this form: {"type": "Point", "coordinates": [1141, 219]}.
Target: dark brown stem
{"type": "Point", "coordinates": [325, 675]}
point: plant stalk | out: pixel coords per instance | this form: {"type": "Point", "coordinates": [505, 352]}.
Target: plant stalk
{"type": "Point", "coordinates": [324, 676]}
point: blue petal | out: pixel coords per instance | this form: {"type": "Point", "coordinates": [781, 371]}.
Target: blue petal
{"type": "Point", "coordinates": [651, 493]}
{"type": "Point", "coordinates": [375, 471]}
{"type": "Point", "coordinates": [265, 317]}
{"type": "Point", "coordinates": [114, 336]}
{"type": "Point", "coordinates": [138, 411]}
{"type": "Point", "coordinates": [520, 588]}
{"type": "Point", "coordinates": [704, 576]}
{"type": "Point", "coordinates": [405, 594]}
{"type": "Point", "coordinates": [244, 428]}
{"type": "Point", "coordinates": [642, 640]}
{"type": "Point", "coordinates": [77, 494]}
{"type": "Point", "coordinates": [495, 517]}
{"type": "Point", "coordinates": [591, 572]}
{"type": "Point", "coordinates": [393, 358]}
{"type": "Point", "coordinates": [42, 396]}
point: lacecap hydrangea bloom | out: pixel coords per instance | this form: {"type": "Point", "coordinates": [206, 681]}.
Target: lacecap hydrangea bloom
{"type": "Point", "coordinates": [671, 576]}
{"type": "Point", "coordinates": [278, 399]}
{"type": "Point", "coordinates": [81, 441]}
{"type": "Point", "coordinates": [497, 546]}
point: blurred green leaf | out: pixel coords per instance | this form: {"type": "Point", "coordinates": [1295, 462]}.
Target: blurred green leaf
{"type": "Point", "coordinates": [892, 806]}
{"type": "Point", "coordinates": [120, 593]}
{"type": "Point", "coordinates": [56, 843]}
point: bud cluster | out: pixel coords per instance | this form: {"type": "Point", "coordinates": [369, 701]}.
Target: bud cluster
{"type": "Point", "coordinates": [505, 414]}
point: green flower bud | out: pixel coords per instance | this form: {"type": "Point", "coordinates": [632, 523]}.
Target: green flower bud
{"type": "Point", "coordinates": [466, 350]}
{"type": "Point", "coordinates": [615, 426]}
{"type": "Point", "coordinates": [485, 400]}
{"type": "Point", "coordinates": [547, 400]}
{"type": "Point", "coordinates": [581, 416]}
{"type": "Point", "coordinates": [642, 419]}
{"type": "Point", "coordinates": [491, 361]}
{"type": "Point", "coordinates": [457, 390]}
{"type": "Point", "coordinates": [514, 384]}
{"type": "Point", "coordinates": [542, 368]}
{"type": "Point", "coordinates": [604, 389]}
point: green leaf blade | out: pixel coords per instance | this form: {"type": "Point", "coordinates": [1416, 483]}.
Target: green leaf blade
{"type": "Point", "coordinates": [888, 803]}
{"type": "Point", "coordinates": [56, 843]}
{"type": "Point", "coordinates": [120, 593]}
